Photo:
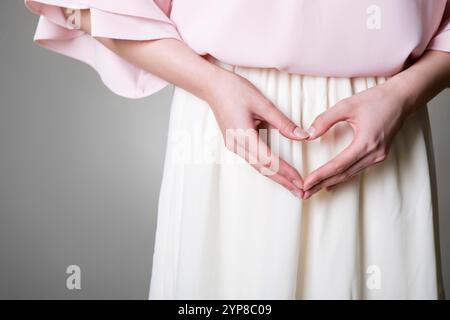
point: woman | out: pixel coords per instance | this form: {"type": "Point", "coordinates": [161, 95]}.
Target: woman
{"type": "Point", "coordinates": [316, 96]}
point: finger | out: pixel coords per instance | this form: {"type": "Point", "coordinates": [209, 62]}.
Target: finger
{"type": "Point", "coordinates": [258, 154]}
{"type": "Point", "coordinates": [278, 120]}
{"type": "Point", "coordinates": [324, 121]}
{"type": "Point", "coordinates": [354, 170]}
{"type": "Point", "coordinates": [348, 174]}
{"type": "Point", "coordinates": [281, 180]}
{"type": "Point", "coordinates": [283, 176]}
{"type": "Point", "coordinates": [290, 173]}
{"type": "Point", "coordinates": [307, 194]}
{"type": "Point", "coordinates": [338, 164]}
{"type": "Point", "coordinates": [274, 163]}
{"type": "Point", "coordinates": [248, 145]}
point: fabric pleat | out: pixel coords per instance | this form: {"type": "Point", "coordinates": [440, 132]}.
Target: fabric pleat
{"type": "Point", "coordinates": [226, 232]}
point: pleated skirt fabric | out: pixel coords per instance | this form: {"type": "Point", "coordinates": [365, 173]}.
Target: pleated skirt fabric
{"type": "Point", "coordinates": [226, 232]}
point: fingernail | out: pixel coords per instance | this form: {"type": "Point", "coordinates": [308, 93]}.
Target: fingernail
{"type": "Point", "coordinates": [300, 133]}
{"type": "Point", "coordinates": [296, 193]}
{"type": "Point", "coordinates": [311, 130]}
{"type": "Point", "coordinates": [298, 184]}
{"type": "Point", "coordinates": [306, 195]}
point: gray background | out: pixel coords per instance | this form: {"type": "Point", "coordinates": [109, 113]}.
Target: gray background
{"type": "Point", "coordinates": [80, 171]}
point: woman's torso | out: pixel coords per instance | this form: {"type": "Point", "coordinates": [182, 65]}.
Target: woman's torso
{"type": "Point", "coordinates": [320, 37]}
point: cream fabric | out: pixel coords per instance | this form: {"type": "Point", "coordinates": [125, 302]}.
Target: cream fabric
{"type": "Point", "coordinates": [226, 232]}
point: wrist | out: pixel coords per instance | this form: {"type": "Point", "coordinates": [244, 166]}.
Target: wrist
{"type": "Point", "coordinates": [408, 90]}
{"type": "Point", "coordinates": [216, 80]}
{"type": "Point", "coordinates": [422, 81]}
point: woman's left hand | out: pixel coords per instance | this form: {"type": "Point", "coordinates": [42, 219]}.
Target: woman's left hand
{"type": "Point", "coordinates": [375, 115]}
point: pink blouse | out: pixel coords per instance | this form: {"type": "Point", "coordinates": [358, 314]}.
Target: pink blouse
{"type": "Point", "coordinates": [345, 38]}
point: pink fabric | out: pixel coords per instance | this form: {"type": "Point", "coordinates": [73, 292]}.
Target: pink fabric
{"type": "Point", "coordinates": [320, 37]}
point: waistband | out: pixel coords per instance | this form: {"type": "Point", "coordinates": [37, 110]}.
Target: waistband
{"type": "Point", "coordinates": [248, 69]}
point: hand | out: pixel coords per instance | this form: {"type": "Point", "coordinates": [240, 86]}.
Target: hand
{"type": "Point", "coordinates": [240, 108]}
{"type": "Point", "coordinates": [375, 115]}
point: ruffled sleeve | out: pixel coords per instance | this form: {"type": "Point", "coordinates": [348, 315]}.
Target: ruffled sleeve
{"type": "Point", "coordinates": [116, 19]}
{"type": "Point", "coordinates": [441, 40]}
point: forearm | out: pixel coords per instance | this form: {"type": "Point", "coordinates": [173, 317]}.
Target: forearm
{"type": "Point", "coordinates": [422, 81]}
{"type": "Point", "coordinates": [169, 59]}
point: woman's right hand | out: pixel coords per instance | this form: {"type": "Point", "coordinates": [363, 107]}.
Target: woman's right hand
{"type": "Point", "coordinates": [240, 109]}
{"type": "Point", "coordinates": [235, 101]}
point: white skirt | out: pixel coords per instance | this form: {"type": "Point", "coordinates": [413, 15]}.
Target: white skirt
{"type": "Point", "coordinates": [226, 232]}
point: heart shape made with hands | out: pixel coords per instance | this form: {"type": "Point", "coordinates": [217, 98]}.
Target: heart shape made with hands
{"type": "Point", "coordinates": [325, 151]}
{"type": "Point", "coordinates": [318, 154]}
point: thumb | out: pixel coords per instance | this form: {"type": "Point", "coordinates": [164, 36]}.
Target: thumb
{"type": "Point", "coordinates": [324, 121]}
{"type": "Point", "coordinates": [287, 128]}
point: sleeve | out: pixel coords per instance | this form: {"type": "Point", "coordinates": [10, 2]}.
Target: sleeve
{"type": "Point", "coordinates": [116, 19]}
{"type": "Point", "coordinates": [441, 40]}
